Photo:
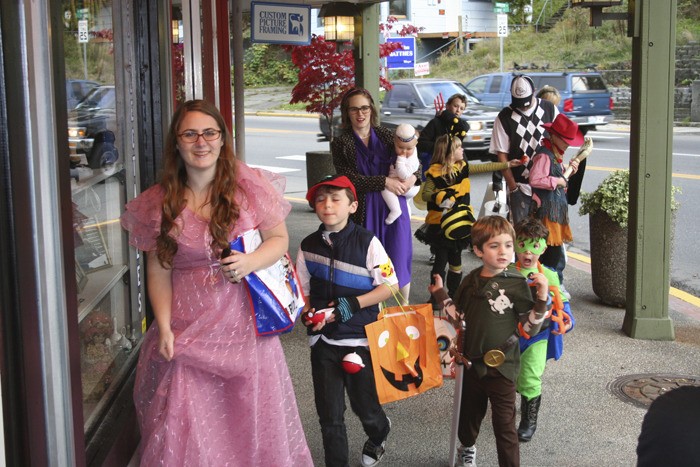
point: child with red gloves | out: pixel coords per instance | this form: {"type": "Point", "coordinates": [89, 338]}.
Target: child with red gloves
{"type": "Point", "coordinates": [345, 273]}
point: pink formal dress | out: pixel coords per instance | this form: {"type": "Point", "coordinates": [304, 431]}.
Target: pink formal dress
{"type": "Point", "coordinates": [226, 398]}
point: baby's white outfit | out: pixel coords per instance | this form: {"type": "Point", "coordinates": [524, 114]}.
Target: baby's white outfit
{"type": "Point", "coordinates": [402, 169]}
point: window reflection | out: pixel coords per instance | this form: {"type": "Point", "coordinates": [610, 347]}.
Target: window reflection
{"type": "Point", "coordinates": [178, 54]}
{"type": "Point", "coordinates": [109, 330]}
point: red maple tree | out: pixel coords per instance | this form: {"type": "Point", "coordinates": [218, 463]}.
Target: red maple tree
{"type": "Point", "coordinates": [326, 73]}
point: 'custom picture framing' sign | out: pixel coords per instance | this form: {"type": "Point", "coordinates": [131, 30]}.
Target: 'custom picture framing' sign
{"type": "Point", "coordinates": [280, 23]}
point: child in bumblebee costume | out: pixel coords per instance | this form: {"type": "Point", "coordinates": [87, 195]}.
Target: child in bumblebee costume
{"type": "Point", "coordinates": [448, 222]}
{"type": "Point", "coordinates": [536, 349]}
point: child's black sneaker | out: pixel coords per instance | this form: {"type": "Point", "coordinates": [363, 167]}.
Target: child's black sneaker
{"type": "Point", "coordinates": [371, 453]}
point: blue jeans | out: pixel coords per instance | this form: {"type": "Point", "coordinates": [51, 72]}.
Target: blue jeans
{"type": "Point", "coordinates": [330, 384]}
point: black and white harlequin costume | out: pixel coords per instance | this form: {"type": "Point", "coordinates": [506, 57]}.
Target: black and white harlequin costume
{"type": "Point", "coordinates": [517, 132]}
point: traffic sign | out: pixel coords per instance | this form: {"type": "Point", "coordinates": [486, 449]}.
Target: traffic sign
{"type": "Point", "coordinates": [83, 31]}
{"type": "Point", "coordinates": [502, 25]}
{"type": "Point", "coordinates": [499, 7]}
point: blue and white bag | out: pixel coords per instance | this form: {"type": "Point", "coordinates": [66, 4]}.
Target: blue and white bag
{"type": "Point", "coordinates": [275, 294]}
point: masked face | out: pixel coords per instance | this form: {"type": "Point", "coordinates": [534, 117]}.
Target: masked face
{"type": "Point", "coordinates": [528, 250]}
{"type": "Point", "coordinates": [536, 246]}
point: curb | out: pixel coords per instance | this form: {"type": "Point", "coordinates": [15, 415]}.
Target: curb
{"type": "Point", "coordinates": [280, 113]}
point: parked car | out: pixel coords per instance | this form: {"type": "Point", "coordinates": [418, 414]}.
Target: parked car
{"type": "Point", "coordinates": [413, 101]}
{"type": "Point", "coordinates": [584, 96]}
{"type": "Point", "coordinates": [96, 112]}
{"type": "Point", "coordinates": [92, 125]}
{"type": "Point", "coordinates": [76, 90]}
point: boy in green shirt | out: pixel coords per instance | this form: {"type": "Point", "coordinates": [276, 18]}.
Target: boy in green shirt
{"type": "Point", "coordinates": [494, 303]}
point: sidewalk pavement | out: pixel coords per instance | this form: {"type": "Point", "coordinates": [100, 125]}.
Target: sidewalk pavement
{"type": "Point", "coordinates": [585, 418]}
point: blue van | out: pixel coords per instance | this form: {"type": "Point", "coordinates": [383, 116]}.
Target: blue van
{"type": "Point", "coordinates": [585, 98]}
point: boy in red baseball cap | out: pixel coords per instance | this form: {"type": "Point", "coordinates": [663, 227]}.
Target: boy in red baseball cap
{"type": "Point", "coordinates": [549, 188]}
{"type": "Point", "coordinates": [345, 273]}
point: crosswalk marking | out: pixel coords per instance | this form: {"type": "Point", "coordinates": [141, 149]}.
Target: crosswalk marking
{"type": "Point", "coordinates": [277, 170]}
{"type": "Point", "coordinates": [293, 158]}
{"type": "Point", "coordinates": [599, 136]}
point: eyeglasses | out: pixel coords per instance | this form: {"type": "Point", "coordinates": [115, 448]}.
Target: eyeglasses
{"type": "Point", "coordinates": [364, 109]}
{"type": "Point", "coordinates": [191, 136]}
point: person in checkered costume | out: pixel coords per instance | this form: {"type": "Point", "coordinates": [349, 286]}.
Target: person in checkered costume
{"type": "Point", "coordinates": [516, 132]}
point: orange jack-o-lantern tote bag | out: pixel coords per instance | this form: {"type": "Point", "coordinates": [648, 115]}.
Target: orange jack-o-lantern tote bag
{"type": "Point", "coordinates": [404, 349]}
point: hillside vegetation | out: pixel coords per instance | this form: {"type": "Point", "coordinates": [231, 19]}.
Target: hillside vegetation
{"type": "Point", "coordinates": [571, 43]}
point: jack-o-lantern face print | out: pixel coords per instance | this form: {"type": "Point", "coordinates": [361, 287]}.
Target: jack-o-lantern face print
{"type": "Point", "coordinates": [405, 356]}
{"type": "Point", "coordinates": [400, 356]}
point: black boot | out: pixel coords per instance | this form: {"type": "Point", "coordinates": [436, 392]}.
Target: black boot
{"type": "Point", "coordinates": [528, 417]}
{"type": "Point", "coordinates": [452, 282]}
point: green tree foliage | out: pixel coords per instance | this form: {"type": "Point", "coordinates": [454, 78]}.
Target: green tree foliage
{"type": "Point", "coordinates": [266, 64]}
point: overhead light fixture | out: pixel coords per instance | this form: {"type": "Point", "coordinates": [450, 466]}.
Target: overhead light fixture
{"type": "Point", "coordinates": [176, 31]}
{"type": "Point", "coordinates": [338, 21]}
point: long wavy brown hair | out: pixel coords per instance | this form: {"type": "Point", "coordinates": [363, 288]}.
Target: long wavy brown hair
{"type": "Point", "coordinates": [224, 210]}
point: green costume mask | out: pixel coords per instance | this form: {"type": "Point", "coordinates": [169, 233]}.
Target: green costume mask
{"type": "Point", "coordinates": [536, 246]}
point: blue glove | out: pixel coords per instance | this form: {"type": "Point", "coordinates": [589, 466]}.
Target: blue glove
{"type": "Point", "coordinates": [345, 307]}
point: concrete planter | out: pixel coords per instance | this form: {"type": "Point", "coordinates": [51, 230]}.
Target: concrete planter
{"type": "Point", "coordinates": [608, 259]}
{"type": "Point", "coordinates": [319, 164]}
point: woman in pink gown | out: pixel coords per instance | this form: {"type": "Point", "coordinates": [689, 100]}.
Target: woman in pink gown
{"type": "Point", "coordinates": [208, 391]}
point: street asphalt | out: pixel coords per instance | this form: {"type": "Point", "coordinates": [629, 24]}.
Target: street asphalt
{"type": "Point", "coordinates": [594, 398]}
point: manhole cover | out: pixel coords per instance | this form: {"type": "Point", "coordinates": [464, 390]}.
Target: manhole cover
{"type": "Point", "coordinates": [641, 390]}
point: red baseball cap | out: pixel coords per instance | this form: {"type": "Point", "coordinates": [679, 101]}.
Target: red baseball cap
{"type": "Point", "coordinates": [338, 181]}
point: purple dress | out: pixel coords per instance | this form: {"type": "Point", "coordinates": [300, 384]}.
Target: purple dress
{"type": "Point", "coordinates": [226, 398]}
{"type": "Point", "coordinates": [396, 237]}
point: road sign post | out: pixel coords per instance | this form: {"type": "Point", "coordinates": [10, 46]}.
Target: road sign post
{"type": "Point", "coordinates": [83, 38]}
{"type": "Point", "coordinates": [502, 29]}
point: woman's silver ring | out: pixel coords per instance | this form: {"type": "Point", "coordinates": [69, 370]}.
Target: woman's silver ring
{"type": "Point", "coordinates": [234, 273]}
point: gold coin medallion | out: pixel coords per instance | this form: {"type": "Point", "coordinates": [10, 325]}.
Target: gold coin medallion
{"type": "Point", "coordinates": [494, 358]}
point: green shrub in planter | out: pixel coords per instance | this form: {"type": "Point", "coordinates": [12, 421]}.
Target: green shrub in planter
{"type": "Point", "coordinates": [612, 197]}
{"type": "Point", "coordinates": [608, 209]}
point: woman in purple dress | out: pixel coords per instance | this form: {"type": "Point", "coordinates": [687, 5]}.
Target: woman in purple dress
{"type": "Point", "coordinates": [363, 153]}
{"type": "Point", "coordinates": [208, 390]}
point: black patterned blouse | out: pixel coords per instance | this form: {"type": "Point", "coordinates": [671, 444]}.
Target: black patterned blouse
{"type": "Point", "coordinates": [345, 162]}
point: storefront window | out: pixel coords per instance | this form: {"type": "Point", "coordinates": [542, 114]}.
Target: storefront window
{"type": "Point", "coordinates": [178, 54]}
{"type": "Point", "coordinates": [399, 8]}
{"type": "Point", "coordinates": [109, 329]}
